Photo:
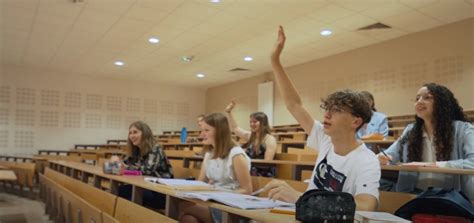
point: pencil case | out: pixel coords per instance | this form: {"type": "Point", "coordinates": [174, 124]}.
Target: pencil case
{"type": "Point", "coordinates": [132, 172]}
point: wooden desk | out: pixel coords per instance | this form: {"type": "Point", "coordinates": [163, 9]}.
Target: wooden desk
{"type": "Point", "coordinates": [297, 166]}
{"type": "Point", "coordinates": [290, 136]}
{"type": "Point", "coordinates": [427, 169]}
{"type": "Point", "coordinates": [178, 146]}
{"type": "Point", "coordinates": [7, 175]}
{"type": "Point", "coordinates": [285, 144]}
{"type": "Point", "coordinates": [3, 167]}
{"type": "Point", "coordinates": [117, 141]}
{"type": "Point", "coordinates": [139, 185]}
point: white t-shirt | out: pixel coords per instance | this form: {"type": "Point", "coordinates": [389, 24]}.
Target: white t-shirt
{"type": "Point", "coordinates": [221, 171]}
{"type": "Point", "coordinates": [356, 173]}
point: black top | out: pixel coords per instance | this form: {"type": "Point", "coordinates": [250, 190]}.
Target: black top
{"type": "Point", "coordinates": [153, 163]}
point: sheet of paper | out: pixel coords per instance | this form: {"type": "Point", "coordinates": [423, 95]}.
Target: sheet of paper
{"type": "Point", "coordinates": [380, 216]}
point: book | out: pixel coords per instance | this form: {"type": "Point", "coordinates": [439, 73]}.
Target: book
{"type": "Point", "coordinates": [377, 217]}
{"type": "Point", "coordinates": [181, 184]}
{"type": "Point", "coordinates": [236, 200]}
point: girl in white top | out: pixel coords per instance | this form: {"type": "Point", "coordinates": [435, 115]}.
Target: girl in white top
{"type": "Point", "coordinates": [225, 165]}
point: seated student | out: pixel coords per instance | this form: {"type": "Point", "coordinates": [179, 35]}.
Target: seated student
{"type": "Point", "coordinates": [225, 165]}
{"type": "Point", "coordinates": [378, 122]}
{"type": "Point", "coordinates": [344, 163]}
{"type": "Point", "coordinates": [439, 137]}
{"type": "Point", "coordinates": [200, 119]}
{"type": "Point", "coordinates": [148, 157]}
{"type": "Point", "coordinates": [260, 143]}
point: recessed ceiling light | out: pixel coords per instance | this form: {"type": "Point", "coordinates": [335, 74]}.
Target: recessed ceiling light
{"type": "Point", "coordinates": [153, 40]}
{"type": "Point", "coordinates": [248, 58]}
{"type": "Point", "coordinates": [187, 58]}
{"type": "Point", "coordinates": [200, 75]}
{"type": "Point", "coordinates": [326, 32]}
{"type": "Point", "coordinates": [119, 63]}
{"type": "Point", "coordinates": [215, 1]}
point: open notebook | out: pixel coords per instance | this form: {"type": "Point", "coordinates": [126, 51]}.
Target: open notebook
{"type": "Point", "coordinates": [181, 184]}
{"type": "Point", "coordinates": [241, 201]}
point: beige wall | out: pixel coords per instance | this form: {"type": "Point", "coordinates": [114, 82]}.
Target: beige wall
{"type": "Point", "coordinates": [44, 110]}
{"type": "Point", "coordinates": [392, 70]}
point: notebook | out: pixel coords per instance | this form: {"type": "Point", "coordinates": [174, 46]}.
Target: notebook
{"type": "Point", "coordinates": [181, 184]}
{"type": "Point", "coordinates": [377, 217]}
{"type": "Point", "coordinates": [236, 200]}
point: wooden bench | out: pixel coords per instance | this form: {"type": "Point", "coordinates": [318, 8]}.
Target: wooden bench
{"type": "Point", "coordinates": [127, 211]}
{"type": "Point", "coordinates": [101, 199]}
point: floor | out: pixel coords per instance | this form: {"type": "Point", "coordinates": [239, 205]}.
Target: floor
{"type": "Point", "coordinates": [16, 209]}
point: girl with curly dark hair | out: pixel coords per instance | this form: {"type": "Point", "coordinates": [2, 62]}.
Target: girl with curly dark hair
{"type": "Point", "coordinates": [440, 137]}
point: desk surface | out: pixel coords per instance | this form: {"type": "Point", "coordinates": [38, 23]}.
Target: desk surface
{"type": "Point", "coordinates": [4, 167]}
{"type": "Point", "coordinates": [263, 215]}
{"type": "Point", "coordinates": [428, 169]}
{"type": "Point", "coordinates": [7, 175]}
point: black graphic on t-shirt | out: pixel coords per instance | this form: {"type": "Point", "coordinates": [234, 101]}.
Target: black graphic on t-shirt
{"type": "Point", "coordinates": [327, 178]}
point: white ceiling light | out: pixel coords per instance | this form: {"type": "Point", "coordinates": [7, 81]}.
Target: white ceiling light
{"type": "Point", "coordinates": [153, 40]}
{"type": "Point", "coordinates": [200, 75]}
{"type": "Point", "coordinates": [248, 58]}
{"type": "Point", "coordinates": [119, 63]}
{"type": "Point", "coordinates": [215, 1]}
{"type": "Point", "coordinates": [326, 32]}
{"type": "Point", "coordinates": [187, 58]}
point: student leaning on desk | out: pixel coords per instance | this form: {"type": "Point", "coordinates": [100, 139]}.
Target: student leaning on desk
{"type": "Point", "coordinates": [344, 163]}
{"type": "Point", "coordinates": [441, 137]}
{"type": "Point", "coordinates": [225, 165]}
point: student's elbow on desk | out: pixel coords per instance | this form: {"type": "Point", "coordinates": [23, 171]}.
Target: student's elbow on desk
{"type": "Point", "coordinates": [365, 202]}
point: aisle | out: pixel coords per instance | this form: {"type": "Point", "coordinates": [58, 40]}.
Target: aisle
{"type": "Point", "coordinates": [14, 209]}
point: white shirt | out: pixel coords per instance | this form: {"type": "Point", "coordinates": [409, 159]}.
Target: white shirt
{"type": "Point", "coordinates": [358, 172]}
{"type": "Point", "coordinates": [221, 171]}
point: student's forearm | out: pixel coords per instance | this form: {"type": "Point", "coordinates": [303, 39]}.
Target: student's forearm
{"type": "Point", "coordinates": [365, 203]}
{"type": "Point", "coordinates": [232, 122]}
{"type": "Point", "coordinates": [286, 87]}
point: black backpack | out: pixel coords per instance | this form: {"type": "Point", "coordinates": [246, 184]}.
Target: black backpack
{"type": "Point", "coordinates": [438, 201]}
{"type": "Point", "coordinates": [325, 206]}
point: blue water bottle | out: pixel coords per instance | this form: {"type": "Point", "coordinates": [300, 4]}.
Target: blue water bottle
{"type": "Point", "coordinates": [184, 135]}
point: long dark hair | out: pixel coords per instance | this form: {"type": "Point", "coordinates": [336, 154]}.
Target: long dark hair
{"type": "Point", "coordinates": [263, 130]}
{"type": "Point", "coordinates": [147, 141]}
{"type": "Point", "coordinates": [223, 135]}
{"type": "Point", "coordinates": [446, 109]}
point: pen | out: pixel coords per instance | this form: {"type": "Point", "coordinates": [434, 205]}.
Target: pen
{"type": "Point", "coordinates": [258, 191]}
{"type": "Point", "coordinates": [388, 157]}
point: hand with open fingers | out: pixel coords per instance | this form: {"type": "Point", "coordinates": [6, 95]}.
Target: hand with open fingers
{"type": "Point", "coordinates": [280, 190]}
{"type": "Point", "coordinates": [383, 159]}
{"type": "Point", "coordinates": [230, 106]}
{"type": "Point", "coordinates": [279, 44]}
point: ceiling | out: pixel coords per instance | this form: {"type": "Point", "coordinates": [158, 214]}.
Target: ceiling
{"type": "Point", "coordinates": [86, 37]}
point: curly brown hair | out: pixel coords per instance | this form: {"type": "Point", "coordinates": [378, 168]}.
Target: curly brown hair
{"type": "Point", "coordinates": [446, 109]}
{"type": "Point", "coordinates": [350, 101]}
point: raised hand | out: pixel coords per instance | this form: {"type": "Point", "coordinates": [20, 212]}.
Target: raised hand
{"type": "Point", "coordinates": [230, 106]}
{"type": "Point", "coordinates": [279, 44]}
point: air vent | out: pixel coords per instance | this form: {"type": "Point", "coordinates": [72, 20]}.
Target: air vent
{"type": "Point", "coordinates": [375, 26]}
{"type": "Point", "coordinates": [238, 69]}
